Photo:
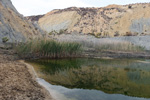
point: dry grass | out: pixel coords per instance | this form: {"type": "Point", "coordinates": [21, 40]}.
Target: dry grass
{"type": "Point", "coordinates": [119, 46]}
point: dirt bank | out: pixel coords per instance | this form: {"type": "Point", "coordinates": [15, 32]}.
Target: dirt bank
{"type": "Point", "coordinates": [16, 81]}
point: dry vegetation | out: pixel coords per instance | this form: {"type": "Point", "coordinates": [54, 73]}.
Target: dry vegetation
{"type": "Point", "coordinates": [119, 46]}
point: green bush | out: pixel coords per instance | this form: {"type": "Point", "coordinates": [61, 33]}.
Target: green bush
{"type": "Point", "coordinates": [116, 22]}
{"type": "Point", "coordinates": [61, 31]}
{"type": "Point", "coordinates": [50, 33]}
{"type": "Point", "coordinates": [5, 39]}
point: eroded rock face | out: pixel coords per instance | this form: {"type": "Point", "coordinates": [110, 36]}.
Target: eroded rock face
{"type": "Point", "coordinates": [110, 21]}
{"type": "Point", "coordinates": [14, 26]}
{"type": "Point", "coordinates": [141, 26]}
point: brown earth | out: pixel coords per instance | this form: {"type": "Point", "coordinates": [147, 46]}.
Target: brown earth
{"type": "Point", "coordinates": [16, 81]}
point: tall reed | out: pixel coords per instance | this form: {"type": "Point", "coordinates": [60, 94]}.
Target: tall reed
{"type": "Point", "coordinates": [48, 49]}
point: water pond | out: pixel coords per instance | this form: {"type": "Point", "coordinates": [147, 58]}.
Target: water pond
{"type": "Point", "coordinates": [95, 79]}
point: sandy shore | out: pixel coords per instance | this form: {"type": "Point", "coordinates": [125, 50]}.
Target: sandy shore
{"type": "Point", "coordinates": [16, 80]}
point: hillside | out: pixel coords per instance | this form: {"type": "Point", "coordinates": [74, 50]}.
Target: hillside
{"type": "Point", "coordinates": [110, 21]}
{"type": "Point", "coordinates": [14, 26]}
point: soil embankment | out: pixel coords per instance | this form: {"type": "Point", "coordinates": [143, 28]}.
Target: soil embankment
{"type": "Point", "coordinates": [16, 81]}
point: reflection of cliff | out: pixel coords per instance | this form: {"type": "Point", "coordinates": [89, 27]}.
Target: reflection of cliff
{"type": "Point", "coordinates": [111, 76]}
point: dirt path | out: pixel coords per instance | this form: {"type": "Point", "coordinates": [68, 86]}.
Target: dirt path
{"type": "Point", "coordinates": [16, 81]}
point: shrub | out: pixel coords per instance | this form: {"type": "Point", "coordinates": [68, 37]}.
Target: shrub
{"type": "Point", "coordinates": [129, 6]}
{"type": "Point", "coordinates": [50, 33]}
{"type": "Point", "coordinates": [61, 32]}
{"type": "Point", "coordinates": [5, 39]}
{"type": "Point", "coordinates": [116, 33]}
{"type": "Point", "coordinates": [98, 35]}
{"type": "Point", "coordinates": [116, 22]}
{"type": "Point", "coordinates": [128, 34]}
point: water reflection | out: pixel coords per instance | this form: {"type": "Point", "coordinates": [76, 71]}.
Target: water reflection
{"type": "Point", "coordinates": [92, 76]}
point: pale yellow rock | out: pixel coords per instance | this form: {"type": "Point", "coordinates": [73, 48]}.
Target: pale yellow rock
{"type": "Point", "coordinates": [113, 20]}
{"type": "Point", "coordinates": [67, 21]}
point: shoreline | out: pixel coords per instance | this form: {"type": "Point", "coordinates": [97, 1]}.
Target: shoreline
{"type": "Point", "coordinates": [117, 54]}
{"type": "Point", "coordinates": [92, 53]}
{"type": "Point", "coordinates": [34, 74]}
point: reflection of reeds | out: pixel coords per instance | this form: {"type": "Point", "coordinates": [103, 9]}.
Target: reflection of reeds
{"type": "Point", "coordinates": [48, 49]}
{"type": "Point", "coordinates": [87, 76]}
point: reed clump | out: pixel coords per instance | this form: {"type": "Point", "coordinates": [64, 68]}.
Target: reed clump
{"type": "Point", "coordinates": [48, 49]}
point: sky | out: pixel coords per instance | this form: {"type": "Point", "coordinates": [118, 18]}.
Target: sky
{"type": "Point", "coordinates": [36, 7]}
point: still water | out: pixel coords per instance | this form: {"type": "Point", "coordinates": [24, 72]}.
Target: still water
{"type": "Point", "coordinates": [95, 79]}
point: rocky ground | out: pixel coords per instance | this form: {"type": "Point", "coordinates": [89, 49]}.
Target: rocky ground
{"type": "Point", "coordinates": [16, 81]}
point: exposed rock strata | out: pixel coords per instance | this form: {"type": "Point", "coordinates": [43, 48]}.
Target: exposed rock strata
{"type": "Point", "coordinates": [110, 21]}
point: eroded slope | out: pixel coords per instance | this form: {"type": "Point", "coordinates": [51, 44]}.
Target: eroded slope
{"type": "Point", "coordinates": [113, 20]}
{"type": "Point", "coordinates": [14, 26]}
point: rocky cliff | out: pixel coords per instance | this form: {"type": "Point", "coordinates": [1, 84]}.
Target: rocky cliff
{"type": "Point", "coordinates": [14, 26]}
{"type": "Point", "coordinates": [110, 21]}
